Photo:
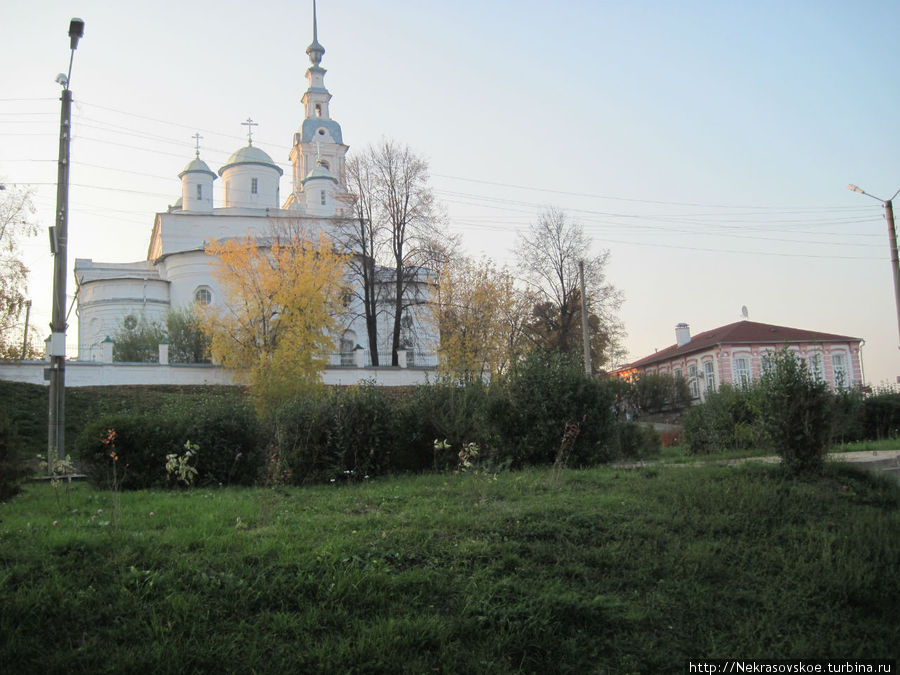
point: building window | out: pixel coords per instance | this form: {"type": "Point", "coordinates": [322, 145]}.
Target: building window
{"type": "Point", "coordinates": [254, 186]}
{"type": "Point", "coordinates": [839, 366]}
{"type": "Point", "coordinates": [199, 192]}
{"type": "Point", "coordinates": [677, 373]}
{"type": "Point", "coordinates": [322, 197]}
{"type": "Point", "coordinates": [742, 371]}
{"type": "Point", "coordinates": [692, 375]}
{"type": "Point", "coordinates": [203, 296]}
{"type": "Point", "coordinates": [710, 376]}
{"type": "Point", "coordinates": [318, 110]}
{"type": "Point", "coordinates": [815, 367]}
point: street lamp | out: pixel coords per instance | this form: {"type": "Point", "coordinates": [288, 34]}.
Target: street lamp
{"type": "Point", "coordinates": [892, 236]}
{"type": "Point", "coordinates": [58, 241]}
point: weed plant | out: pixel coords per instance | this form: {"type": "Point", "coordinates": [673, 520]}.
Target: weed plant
{"type": "Point", "coordinates": [602, 570]}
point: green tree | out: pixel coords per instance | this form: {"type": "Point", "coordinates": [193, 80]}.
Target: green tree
{"type": "Point", "coordinates": [795, 410]}
{"type": "Point", "coordinates": [188, 341]}
{"type": "Point", "coordinates": [137, 340]}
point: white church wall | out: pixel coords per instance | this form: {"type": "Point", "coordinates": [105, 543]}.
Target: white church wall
{"type": "Point", "coordinates": [251, 186]}
{"type": "Point", "coordinates": [104, 304]}
{"type": "Point", "coordinates": [87, 374]}
{"type": "Point", "coordinates": [188, 273]}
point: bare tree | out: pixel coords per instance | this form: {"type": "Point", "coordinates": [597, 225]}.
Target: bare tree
{"type": "Point", "coordinates": [16, 212]}
{"type": "Point", "coordinates": [361, 235]}
{"type": "Point", "coordinates": [400, 225]}
{"type": "Point", "coordinates": [548, 256]}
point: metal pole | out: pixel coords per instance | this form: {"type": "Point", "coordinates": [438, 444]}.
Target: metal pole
{"type": "Point", "coordinates": [57, 403]}
{"type": "Point", "coordinates": [895, 262]}
{"type": "Point", "coordinates": [585, 333]}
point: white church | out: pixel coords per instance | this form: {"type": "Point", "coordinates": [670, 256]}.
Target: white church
{"type": "Point", "coordinates": [178, 271]}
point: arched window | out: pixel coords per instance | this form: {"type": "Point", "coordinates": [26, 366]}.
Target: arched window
{"type": "Point", "coordinates": [203, 296]}
{"type": "Point", "coordinates": [318, 110]}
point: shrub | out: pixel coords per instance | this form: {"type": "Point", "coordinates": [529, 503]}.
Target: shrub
{"type": "Point", "coordinates": [337, 433]}
{"type": "Point", "coordinates": [451, 411]}
{"type": "Point", "coordinates": [728, 419]}
{"type": "Point", "coordinates": [226, 432]}
{"type": "Point", "coordinates": [531, 408]}
{"type": "Point", "coordinates": [636, 441]}
{"type": "Point", "coordinates": [652, 392]}
{"type": "Point", "coordinates": [795, 413]}
{"type": "Point", "coordinates": [847, 416]}
{"type": "Point", "coordinates": [881, 415]}
{"type": "Point", "coordinates": [11, 471]}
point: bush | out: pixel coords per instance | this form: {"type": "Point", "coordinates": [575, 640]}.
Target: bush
{"type": "Point", "coordinates": [653, 392]}
{"type": "Point", "coordinates": [226, 431]}
{"type": "Point", "coordinates": [727, 420]}
{"type": "Point", "coordinates": [847, 416]}
{"type": "Point", "coordinates": [531, 408]}
{"type": "Point", "coordinates": [451, 411]}
{"type": "Point", "coordinates": [881, 415]}
{"type": "Point", "coordinates": [11, 471]}
{"type": "Point", "coordinates": [795, 413]}
{"type": "Point", "coordinates": [337, 433]}
{"type": "Point", "coordinates": [636, 441]}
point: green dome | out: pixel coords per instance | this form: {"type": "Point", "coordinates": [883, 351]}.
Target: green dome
{"type": "Point", "coordinates": [197, 165]}
{"type": "Point", "coordinates": [250, 155]}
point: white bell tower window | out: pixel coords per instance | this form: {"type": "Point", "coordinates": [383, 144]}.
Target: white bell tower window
{"type": "Point", "coordinates": [199, 191]}
{"type": "Point", "coordinates": [254, 186]}
{"type": "Point", "coordinates": [318, 110]}
{"type": "Point", "coordinates": [322, 197]}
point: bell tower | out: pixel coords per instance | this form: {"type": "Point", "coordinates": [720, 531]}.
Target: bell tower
{"type": "Point", "coordinates": [319, 142]}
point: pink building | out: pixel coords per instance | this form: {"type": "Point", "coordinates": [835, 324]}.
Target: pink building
{"type": "Point", "coordinates": [734, 354]}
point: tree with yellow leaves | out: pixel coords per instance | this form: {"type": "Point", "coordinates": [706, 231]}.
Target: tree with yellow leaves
{"type": "Point", "coordinates": [280, 305]}
{"type": "Point", "coordinates": [481, 315]}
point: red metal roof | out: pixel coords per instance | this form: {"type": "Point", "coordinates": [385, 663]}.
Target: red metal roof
{"type": "Point", "coordinates": [741, 332]}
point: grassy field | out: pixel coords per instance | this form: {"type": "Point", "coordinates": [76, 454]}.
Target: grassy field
{"type": "Point", "coordinates": [601, 571]}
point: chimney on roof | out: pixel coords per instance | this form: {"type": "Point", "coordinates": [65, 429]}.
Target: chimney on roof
{"type": "Point", "coordinates": [682, 334]}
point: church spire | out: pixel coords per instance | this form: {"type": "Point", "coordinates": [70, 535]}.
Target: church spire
{"type": "Point", "coordinates": [318, 144]}
{"type": "Point", "coordinates": [315, 50]}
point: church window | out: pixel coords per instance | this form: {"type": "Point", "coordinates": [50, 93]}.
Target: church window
{"type": "Point", "coordinates": [322, 197]}
{"type": "Point", "coordinates": [318, 110]}
{"type": "Point", "coordinates": [254, 186]}
{"type": "Point", "coordinates": [321, 132]}
{"type": "Point", "coordinates": [130, 322]}
{"type": "Point", "coordinates": [203, 296]}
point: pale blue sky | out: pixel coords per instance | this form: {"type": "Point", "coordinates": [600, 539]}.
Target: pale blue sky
{"type": "Point", "coordinates": [707, 145]}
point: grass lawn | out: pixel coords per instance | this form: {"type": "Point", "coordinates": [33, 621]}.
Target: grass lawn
{"type": "Point", "coordinates": [602, 571]}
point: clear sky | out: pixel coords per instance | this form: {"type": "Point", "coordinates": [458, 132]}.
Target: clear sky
{"type": "Point", "coordinates": [708, 145]}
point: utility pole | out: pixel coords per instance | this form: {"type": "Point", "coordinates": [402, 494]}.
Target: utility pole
{"type": "Point", "coordinates": [892, 240]}
{"type": "Point", "coordinates": [585, 333]}
{"type": "Point", "coordinates": [25, 337]}
{"type": "Point", "coordinates": [58, 243]}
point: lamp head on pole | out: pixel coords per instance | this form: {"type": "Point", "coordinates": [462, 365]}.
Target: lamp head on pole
{"type": "Point", "coordinates": [76, 32]}
{"type": "Point", "coordinates": [853, 188]}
